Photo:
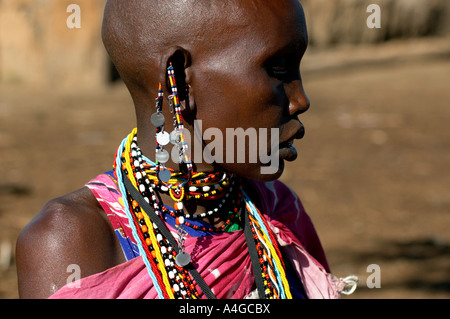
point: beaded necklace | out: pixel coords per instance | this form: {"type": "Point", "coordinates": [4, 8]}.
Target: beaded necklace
{"type": "Point", "coordinates": [140, 180]}
{"type": "Point", "coordinates": [171, 280]}
{"type": "Point", "coordinates": [223, 189]}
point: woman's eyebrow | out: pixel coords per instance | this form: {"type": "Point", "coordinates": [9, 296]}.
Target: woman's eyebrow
{"type": "Point", "coordinates": [292, 48]}
{"type": "Point", "coordinates": [298, 43]}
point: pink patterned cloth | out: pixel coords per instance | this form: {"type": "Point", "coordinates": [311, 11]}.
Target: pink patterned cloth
{"type": "Point", "coordinates": [221, 259]}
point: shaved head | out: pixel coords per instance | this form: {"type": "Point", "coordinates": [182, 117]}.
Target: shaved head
{"type": "Point", "coordinates": [139, 33]}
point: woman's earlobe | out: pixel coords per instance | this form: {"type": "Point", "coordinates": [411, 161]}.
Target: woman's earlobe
{"type": "Point", "coordinates": [184, 104]}
{"type": "Point", "coordinates": [188, 103]}
{"type": "Point", "coordinates": [190, 100]}
{"type": "Point", "coordinates": [180, 60]}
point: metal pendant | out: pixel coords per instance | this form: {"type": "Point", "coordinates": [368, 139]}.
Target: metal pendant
{"type": "Point", "coordinates": [163, 138]}
{"type": "Point", "coordinates": [182, 259]}
{"type": "Point", "coordinates": [162, 156]}
{"type": "Point", "coordinates": [157, 119]}
{"type": "Point", "coordinates": [164, 175]}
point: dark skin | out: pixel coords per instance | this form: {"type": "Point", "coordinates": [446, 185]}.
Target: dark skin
{"type": "Point", "coordinates": [262, 90]}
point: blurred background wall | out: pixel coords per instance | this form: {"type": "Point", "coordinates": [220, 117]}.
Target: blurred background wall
{"type": "Point", "coordinates": [340, 21]}
{"type": "Point", "coordinates": [37, 47]}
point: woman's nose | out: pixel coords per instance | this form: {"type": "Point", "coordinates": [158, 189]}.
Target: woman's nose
{"type": "Point", "coordinates": [298, 101]}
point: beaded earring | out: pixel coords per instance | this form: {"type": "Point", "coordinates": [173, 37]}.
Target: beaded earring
{"type": "Point", "coordinates": [177, 137]}
{"type": "Point", "coordinates": [181, 149]}
{"type": "Point", "coordinates": [162, 138]}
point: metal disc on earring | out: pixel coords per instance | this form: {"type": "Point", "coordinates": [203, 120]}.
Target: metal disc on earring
{"type": "Point", "coordinates": [183, 259]}
{"type": "Point", "coordinates": [163, 138]}
{"type": "Point", "coordinates": [157, 119]}
{"type": "Point", "coordinates": [164, 175]}
{"type": "Point", "coordinates": [175, 137]}
{"type": "Point", "coordinates": [162, 156]}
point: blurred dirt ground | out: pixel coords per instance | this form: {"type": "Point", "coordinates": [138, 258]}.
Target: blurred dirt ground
{"type": "Point", "coordinates": [373, 168]}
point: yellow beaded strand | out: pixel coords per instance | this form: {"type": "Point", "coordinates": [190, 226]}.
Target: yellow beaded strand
{"type": "Point", "coordinates": [148, 222]}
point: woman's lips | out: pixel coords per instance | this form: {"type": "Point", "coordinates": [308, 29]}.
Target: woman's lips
{"type": "Point", "coordinates": [287, 151]}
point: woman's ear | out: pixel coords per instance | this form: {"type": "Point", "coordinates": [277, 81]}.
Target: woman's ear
{"type": "Point", "coordinates": [189, 101]}
{"type": "Point", "coordinates": [181, 63]}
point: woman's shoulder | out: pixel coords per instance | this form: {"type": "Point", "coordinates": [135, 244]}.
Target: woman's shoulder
{"type": "Point", "coordinates": [70, 232]}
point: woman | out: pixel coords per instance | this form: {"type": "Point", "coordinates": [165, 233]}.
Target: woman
{"type": "Point", "coordinates": [166, 223]}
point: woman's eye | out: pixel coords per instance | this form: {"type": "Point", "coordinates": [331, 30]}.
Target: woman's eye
{"type": "Point", "coordinates": [276, 68]}
{"type": "Point", "coordinates": [279, 71]}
